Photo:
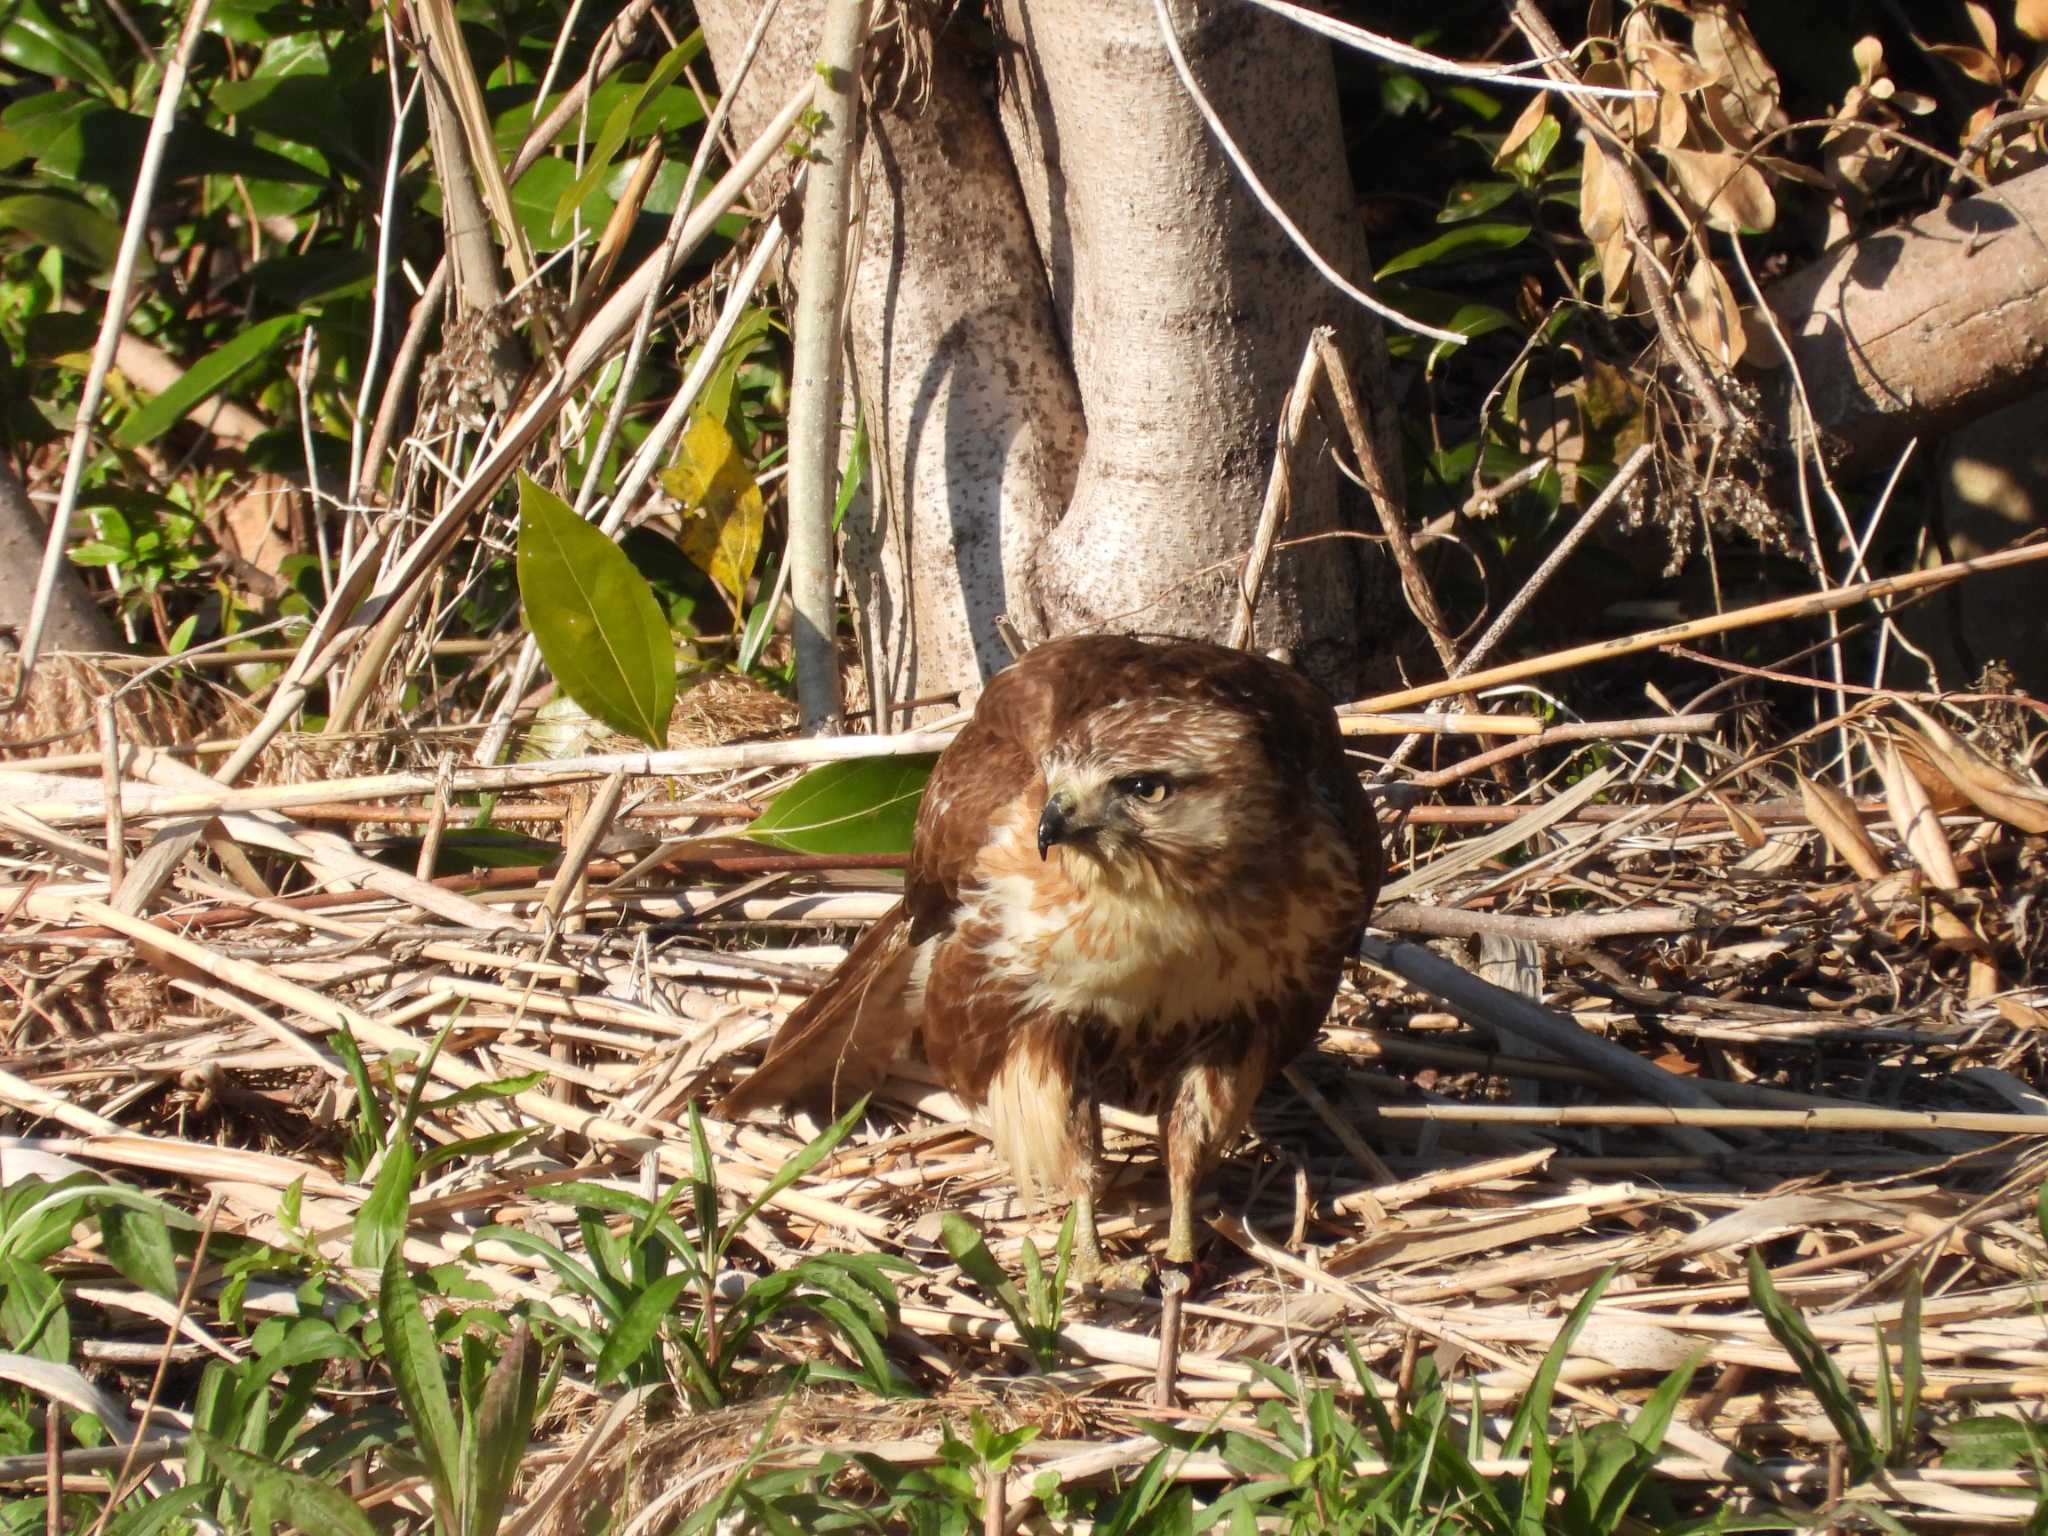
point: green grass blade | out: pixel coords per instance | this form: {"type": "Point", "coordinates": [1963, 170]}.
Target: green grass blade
{"type": "Point", "coordinates": [504, 1422]}
{"type": "Point", "coordinates": [1912, 1369]}
{"type": "Point", "coordinates": [309, 1506]}
{"type": "Point", "coordinates": [1816, 1368]}
{"type": "Point", "coordinates": [414, 1359]}
{"type": "Point", "coordinates": [814, 1153]}
{"type": "Point", "coordinates": [1535, 1409]}
{"type": "Point", "coordinates": [634, 1333]}
{"type": "Point", "coordinates": [969, 1250]}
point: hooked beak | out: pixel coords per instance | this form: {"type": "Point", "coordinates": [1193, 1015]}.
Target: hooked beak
{"type": "Point", "coordinates": [1056, 822]}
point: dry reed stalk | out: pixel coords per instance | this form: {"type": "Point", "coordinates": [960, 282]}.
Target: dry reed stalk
{"type": "Point", "coordinates": [1811, 605]}
{"type": "Point", "coordinates": [58, 801]}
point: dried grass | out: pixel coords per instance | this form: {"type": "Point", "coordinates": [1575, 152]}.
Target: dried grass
{"type": "Point", "coordinates": [1385, 1199]}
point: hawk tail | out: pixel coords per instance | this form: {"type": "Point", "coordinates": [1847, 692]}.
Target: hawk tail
{"type": "Point", "coordinates": [841, 1040]}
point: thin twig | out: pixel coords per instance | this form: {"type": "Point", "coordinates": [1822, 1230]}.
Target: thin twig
{"type": "Point", "coordinates": [1578, 929]}
{"type": "Point", "coordinates": [737, 758]}
{"type": "Point", "coordinates": [1279, 491]}
{"type": "Point", "coordinates": [1809, 605]}
{"type": "Point", "coordinates": [112, 321]}
{"type": "Point", "coordinates": [1408, 56]}
{"type": "Point", "coordinates": [1271, 204]}
{"type": "Point", "coordinates": [817, 365]}
{"type": "Point", "coordinates": [1715, 1118]}
{"type": "Point", "coordinates": [1538, 580]}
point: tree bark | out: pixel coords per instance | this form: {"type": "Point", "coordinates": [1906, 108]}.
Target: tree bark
{"type": "Point", "coordinates": [1071, 348]}
{"type": "Point", "coordinates": [1187, 309]}
{"type": "Point", "coordinates": [75, 622]}
{"type": "Point", "coordinates": [1915, 330]}
{"type": "Point", "coordinates": [972, 416]}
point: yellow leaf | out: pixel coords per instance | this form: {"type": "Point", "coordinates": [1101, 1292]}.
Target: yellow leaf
{"type": "Point", "coordinates": [721, 504]}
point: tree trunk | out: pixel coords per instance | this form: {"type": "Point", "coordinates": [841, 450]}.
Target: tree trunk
{"type": "Point", "coordinates": [972, 415]}
{"type": "Point", "coordinates": [1916, 330]}
{"type": "Point", "coordinates": [75, 622]}
{"type": "Point", "coordinates": [1186, 308]}
{"type": "Point", "coordinates": [1071, 348]}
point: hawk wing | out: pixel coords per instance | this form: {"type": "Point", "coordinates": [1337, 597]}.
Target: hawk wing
{"type": "Point", "coordinates": [842, 1039]}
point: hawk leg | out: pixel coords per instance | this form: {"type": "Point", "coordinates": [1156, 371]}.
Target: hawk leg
{"type": "Point", "coordinates": [1210, 1105]}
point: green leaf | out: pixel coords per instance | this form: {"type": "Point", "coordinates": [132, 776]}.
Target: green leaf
{"type": "Point", "coordinates": [594, 617]}
{"type": "Point", "coordinates": [1990, 1444]}
{"type": "Point", "coordinates": [634, 1333]}
{"type": "Point", "coordinates": [504, 1422]}
{"type": "Point", "coordinates": [489, 1144]}
{"type": "Point", "coordinates": [1816, 1368]}
{"type": "Point", "coordinates": [36, 1215]}
{"type": "Point", "coordinates": [969, 1249]}
{"type": "Point", "coordinates": [381, 1220]}
{"type": "Point", "coordinates": [863, 805]}
{"type": "Point", "coordinates": [139, 1245]}
{"type": "Point", "coordinates": [204, 379]}
{"type": "Point", "coordinates": [35, 40]}
{"type": "Point", "coordinates": [536, 194]}
{"type": "Point", "coordinates": [159, 1511]}
{"type": "Point", "coordinates": [464, 849]}
{"type": "Point", "coordinates": [81, 139]}
{"type": "Point", "coordinates": [1527, 1426]}
{"type": "Point", "coordinates": [414, 1360]}
{"type": "Point", "coordinates": [33, 1318]}
{"type": "Point", "coordinates": [309, 1506]}
{"type": "Point", "coordinates": [1463, 241]}
{"type": "Point", "coordinates": [1912, 1370]}
{"type": "Point", "coordinates": [611, 137]}
{"type": "Point", "coordinates": [796, 1167]}
{"type": "Point", "coordinates": [71, 224]}
{"type": "Point", "coordinates": [1473, 200]}
{"type": "Point", "coordinates": [583, 1280]}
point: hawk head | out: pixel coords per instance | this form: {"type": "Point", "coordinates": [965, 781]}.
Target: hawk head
{"type": "Point", "coordinates": [1155, 790]}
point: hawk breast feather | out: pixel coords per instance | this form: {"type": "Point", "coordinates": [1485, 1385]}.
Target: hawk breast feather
{"type": "Point", "coordinates": [1040, 984]}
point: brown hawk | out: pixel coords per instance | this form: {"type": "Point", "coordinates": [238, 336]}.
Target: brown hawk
{"type": "Point", "coordinates": [1136, 874]}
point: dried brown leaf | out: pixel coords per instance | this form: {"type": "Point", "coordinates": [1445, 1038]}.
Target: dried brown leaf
{"type": "Point", "coordinates": [1981, 18]}
{"type": "Point", "coordinates": [1600, 215]}
{"type": "Point", "coordinates": [1830, 811]}
{"type": "Point", "coordinates": [1924, 762]}
{"type": "Point", "coordinates": [1975, 62]}
{"type": "Point", "coordinates": [1913, 815]}
{"type": "Point", "coordinates": [2011, 1009]}
{"type": "Point", "coordinates": [1740, 821]}
{"type": "Point", "coordinates": [1712, 316]}
{"type": "Point", "coordinates": [1531, 119]}
{"type": "Point", "coordinates": [1671, 70]}
{"type": "Point", "coordinates": [1992, 789]}
{"type": "Point", "coordinates": [1728, 51]}
{"type": "Point", "coordinates": [1726, 190]}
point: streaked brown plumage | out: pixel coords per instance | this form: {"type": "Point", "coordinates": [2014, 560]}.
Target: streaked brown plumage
{"type": "Point", "coordinates": [1135, 878]}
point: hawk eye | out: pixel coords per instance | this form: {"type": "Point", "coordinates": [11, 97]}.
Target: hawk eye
{"type": "Point", "coordinates": [1152, 788]}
